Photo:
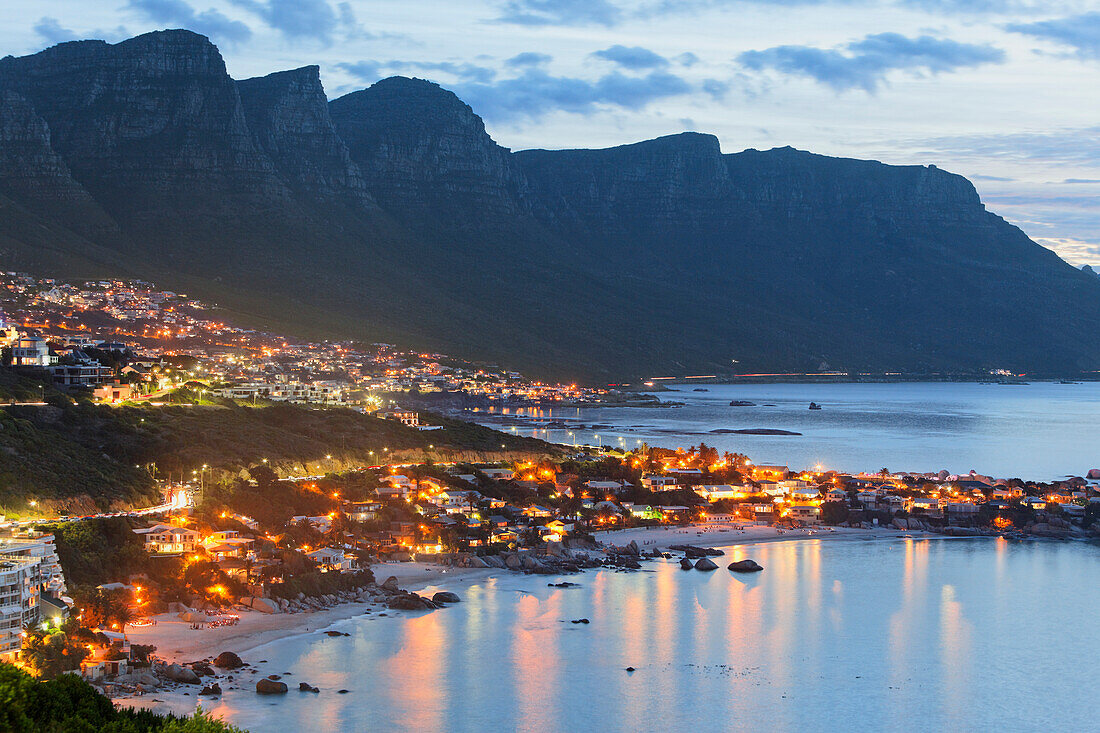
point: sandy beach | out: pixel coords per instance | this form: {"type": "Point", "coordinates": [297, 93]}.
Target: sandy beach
{"type": "Point", "coordinates": [176, 641]}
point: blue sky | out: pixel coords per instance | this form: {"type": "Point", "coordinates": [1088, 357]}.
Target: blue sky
{"type": "Point", "coordinates": [1006, 92]}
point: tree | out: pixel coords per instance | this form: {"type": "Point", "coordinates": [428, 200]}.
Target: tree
{"type": "Point", "coordinates": [834, 512]}
{"type": "Point", "coordinates": [49, 654]}
{"type": "Point", "coordinates": [106, 608]}
{"type": "Point", "coordinates": [68, 703]}
{"type": "Point", "coordinates": [263, 475]}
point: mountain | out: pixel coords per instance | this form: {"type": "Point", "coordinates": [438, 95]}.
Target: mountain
{"type": "Point", "coordinates": [391, 214]}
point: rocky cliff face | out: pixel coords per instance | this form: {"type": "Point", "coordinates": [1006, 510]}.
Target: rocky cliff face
{"type": "Point", "coordinates": [287, 114]}
{"type": "Point", "coordinates": [147, 124]}
{"type": "Point", "coordinates": [34, 176]}
{"type": "Point", "coordinates": [426, 155]}
{"type": "Point", "coordinates": [391, 214]}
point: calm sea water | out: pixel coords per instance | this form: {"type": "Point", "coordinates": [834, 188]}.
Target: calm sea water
{"type": "Point", "coordinates": [1038, 431]}
{"type": "Point", "coordinates": [888, 634]}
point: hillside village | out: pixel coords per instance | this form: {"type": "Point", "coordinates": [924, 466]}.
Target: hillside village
{"type": "Point", "coordinates": [268, 539]}
{"type": "Point", "coordinates": [298, 544]}
{"type": "Point", "coordinates": [126, 341]}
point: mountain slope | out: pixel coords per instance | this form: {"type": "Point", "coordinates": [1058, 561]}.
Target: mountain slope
{"type": "Point", "coordinates": [391, 214]}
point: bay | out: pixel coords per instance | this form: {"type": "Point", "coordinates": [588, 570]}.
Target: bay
{"type": "Point", "coordinates": [867, 635]}
{"type": "Point", "coordinates": [1038, 431]}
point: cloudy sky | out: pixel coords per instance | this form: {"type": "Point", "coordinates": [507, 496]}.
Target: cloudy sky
{"type": "Point", "coordinates": [1006, 92]}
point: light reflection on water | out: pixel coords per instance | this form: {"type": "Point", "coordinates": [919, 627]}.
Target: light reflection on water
{"type": "Point", "coordinates": [868, 635]}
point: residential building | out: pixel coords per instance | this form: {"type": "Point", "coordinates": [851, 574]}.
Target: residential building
{"type": "Point", "coordinates": [32, 351]}
{"type": "Point", "coordinates": [722, 491]}
{"type": "Point", "coordinates": [114, 392]}
{"type": "Point", "coordinates": [658, 483]}
{"type": "Point", "coordinates": [167, 539]}
{"type": "Point", "coordinates": [361, 511]}
{"type": "Point", "coordinates": [331, 559]}
{"type": "Point", "coordinates": [29, 573]}
{"type": "Point", "coordinates": [87, 373]}
{"type": "Point", "coordinates": [805, 513]}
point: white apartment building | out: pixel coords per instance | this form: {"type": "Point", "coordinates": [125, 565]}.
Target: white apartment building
{"type": "Point", "coordinates": [31, 351]}
{"type": "Point", "coordinates": [29, 568]}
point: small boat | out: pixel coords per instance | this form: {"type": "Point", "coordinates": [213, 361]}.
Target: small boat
{"type": "Point", "coordinates": [700, 389]}
{"type": "Point", "coordinates": [815, 406]}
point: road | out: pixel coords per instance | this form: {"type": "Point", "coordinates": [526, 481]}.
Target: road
{"type": "Point", "coordinates": [181, 500]}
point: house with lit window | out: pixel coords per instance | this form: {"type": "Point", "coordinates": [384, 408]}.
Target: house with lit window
{"type": "Point", "coordinates": [805, 513]}
{"type": "Point", "coordinates": [32, 351]}
{"type": "Point", "coordinates": [658, 483]}
{"type": "Point", "coordinates": [225, 544]}
{"type": "Point", "coordinates": [166, 539]}
{"type": "Point", "coordinates": [331, 559]}
{"type": "Point", "coordinates": [362, 511]}
{"type": "Point", "coordinates": [721, 491]}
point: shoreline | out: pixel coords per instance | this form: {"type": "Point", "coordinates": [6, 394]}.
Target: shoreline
{"type": "Point", "coordinates": [177, 642]}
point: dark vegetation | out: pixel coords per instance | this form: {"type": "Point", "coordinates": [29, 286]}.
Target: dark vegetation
{"type": "Point", "coordinates": [98, 551]}
{"type": "Point", "coordinates": [85, 458]}
{"type": "Point", "coordinates": [68, 704]}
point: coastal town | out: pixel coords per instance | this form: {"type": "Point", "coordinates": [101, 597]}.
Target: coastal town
{"type": "Point", "coordinates": [128, 341]}
{"type": "Point", "coordinates": [129, 597]}
{"type": "Point", "coordinates": [215, 555]}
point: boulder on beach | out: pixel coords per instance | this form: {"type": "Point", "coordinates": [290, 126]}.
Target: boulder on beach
{"type": "Point", "coordinates": [176, 673]}
{"type": "Point", "coordinates": [306, 687]}
{"type": "Point", "coordinates": [214, 689]}
{"type": "Point", "coordinates": [202, 668]}
{"type": "Point", "coordinates": [148, 681]}
{"type": "Point", "coordinates": [745, 566]}
{"type": "Point", "coordinates": [693, 552]}
{"type": "Point", "coordinates": [686, 564]}
{"type": "Point", "coordinates": [390, 584]}
{"type": "Point", "coordinates": [270, 687]}
{"type": "Point", "coordinates": [228, 660]}
{"type": "Point", "coordinates": [409, 602]}
{"type": "Point", "coordinates": [445, 597]}
{"type": "Point", "coordinates": [705, 563]}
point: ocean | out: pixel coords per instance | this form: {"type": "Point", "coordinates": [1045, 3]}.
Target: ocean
{"type": "Point", "coordinates": [1039, 431]}
{"type": "Point", "coordinates": [885, 634]}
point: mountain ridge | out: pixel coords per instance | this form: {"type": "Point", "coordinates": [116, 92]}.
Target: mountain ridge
{"type": "Point", "coordinates": [391, 214]}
